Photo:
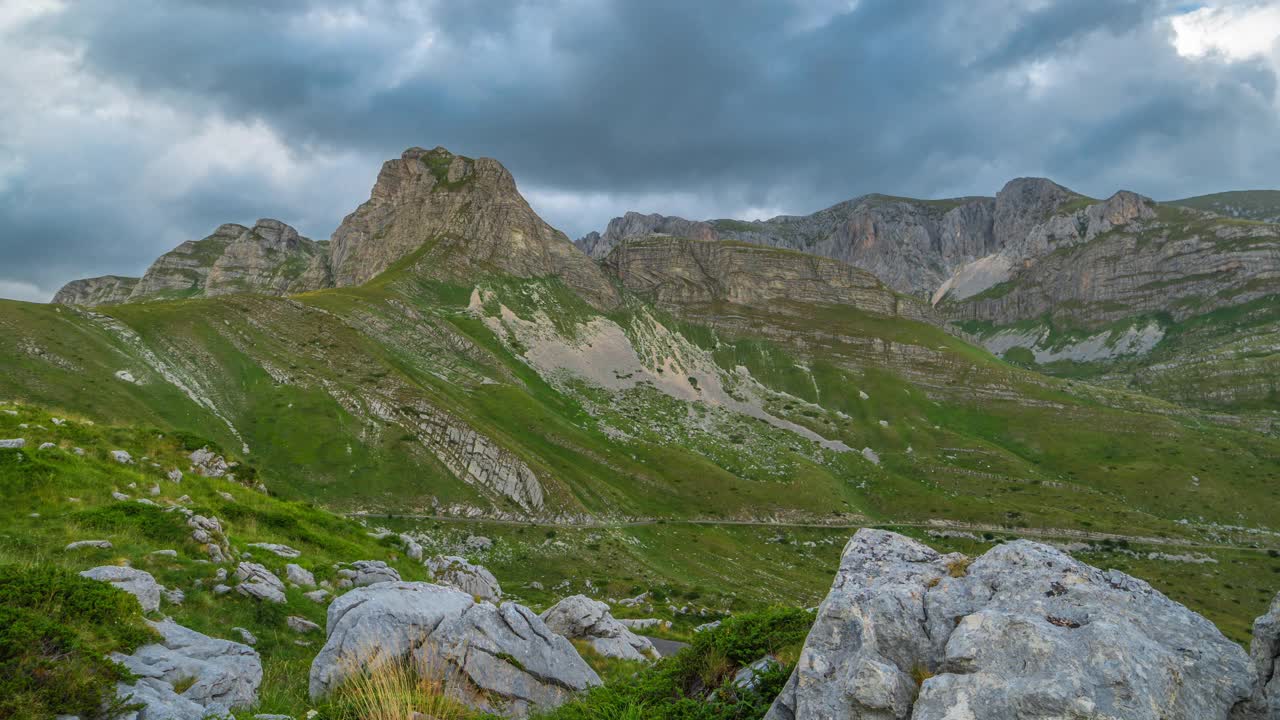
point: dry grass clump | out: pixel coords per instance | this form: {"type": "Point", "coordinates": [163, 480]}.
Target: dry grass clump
{"type": "Point", "coordinates": [401, 689]}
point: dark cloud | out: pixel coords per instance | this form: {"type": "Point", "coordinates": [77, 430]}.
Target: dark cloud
{"type": "Point", "coordinates": [708, 107]}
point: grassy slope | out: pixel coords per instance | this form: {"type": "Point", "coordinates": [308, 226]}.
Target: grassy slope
{"type": "Point", "coordinates": [968, 438]}
{"type": "Point", "coordinates": [1245, 204]}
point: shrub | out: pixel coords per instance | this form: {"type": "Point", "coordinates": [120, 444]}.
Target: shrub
{"type": "Point", "coordinates": [150, 521]}
{"type": "Point", "coordinates": [56, 629]}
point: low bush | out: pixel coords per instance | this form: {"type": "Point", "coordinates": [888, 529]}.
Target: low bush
{"type": "Point", "coordinates": [56, 629]}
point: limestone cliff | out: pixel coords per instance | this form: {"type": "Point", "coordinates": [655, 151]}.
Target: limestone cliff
{"type": "Point", "coordinates": [466, 217]}
{"type": "Point", "coordinates": [680, 272]}
{"type": "Point", "coordinates": [270, 258]}
{"type": "Point", "coordinates": [105, 290]}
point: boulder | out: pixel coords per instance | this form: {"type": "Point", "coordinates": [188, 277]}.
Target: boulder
{"type": "Point", "coordinates": [137, 583]}
{"type": "Point", "coordinates": [96, 544]}
{"type": "Point", "coordinates": [498, 659]}
{"type": "Point", "coordinates": [258, 582]}
{"type": "Point", "coordinates": [13, 443]}
{"type": "Point", "coordinates": [580, 617]}
{"type": "Point", "coordinates": [473, 580]}
{"type": "Point", "coordinates": [1024, 631]}
{"type": "Point", "coordinates": [121, 456]}
{"type": "Point", "coordinates": [412, 548]}
{"type": "Point", "coordinates": [299, 575]}
{"type": "Point", "coordinates": [208, 463]}
{"type": "Point", "coordinates": [1264, 651]}
{"type": "Point", "coordinates": [301, 624]}
{"type": "Point", "coordinates": [283, 551]}
{"type": "Point", "coordinates": [316, 595]}
{"type": "Point", "coordinates": [222, 675]}
{"type": "Point", "coordinates": [369, 572]}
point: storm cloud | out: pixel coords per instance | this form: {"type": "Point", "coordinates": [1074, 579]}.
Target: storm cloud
{"type": "Point", "coordinates": [131, 126]}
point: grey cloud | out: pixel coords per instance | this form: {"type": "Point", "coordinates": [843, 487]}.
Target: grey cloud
{"type": "Point", "coordinates": [728, 105]}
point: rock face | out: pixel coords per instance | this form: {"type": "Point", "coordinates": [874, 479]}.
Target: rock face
{"type": "Point", "coordinates": [466, 217]}
{"type": "Point", "coordinates": [138, 583]}
{"type": "Point", "coordinates": [223, 675]}
{"type": "Point", "coordinates": [1264, 652]}
{"type": "Point", "coordinates": [635, 225]}
{"type": "Point", "coordinates": [499, 659]}
{"type": "Point", "coordinates": [580, 617]}
{"type": "Point", "coordinates": [269, 258]}
{"type": "Point", "coordinates": [474, 580]}
{"type": "Point", "coordinates": [105, 290]}
{"type": "Point", "coordinates": [675, 272]}
{"type": "Point", "coordinates": [1024, 631]}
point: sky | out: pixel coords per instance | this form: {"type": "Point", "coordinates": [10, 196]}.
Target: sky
{"type": "Point", "coordinates": [128, 126]}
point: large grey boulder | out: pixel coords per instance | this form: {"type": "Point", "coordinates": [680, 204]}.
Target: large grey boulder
{"type": "Point", "coordinates": [222, 675]}
{"type": "Point", "coordinates": [138, 583]}
{"type": "Point", "coordinates": [580, 617]}
{"type": "Point", "coordinates": [369, 572]}
{"type": "Point", "coordinates": [258, 582]}
{"type": "Point", "coordinates": [474, 580]}
{"type": "Point", "coordinates": [497, 659]}
{"type": "Point", "coordinates": [1264, 651]}
{"type": "Point", "coordinates": [1022, 632]}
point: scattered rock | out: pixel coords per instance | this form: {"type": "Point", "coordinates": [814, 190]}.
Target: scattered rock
{"type": "Point", "coordinates": [78, 451]}
{"type": "Point", "coordinates": [226, 496]}
{"type": "Point", "coordinates": [221, 589]}
{"type": "Point", "coordinates": [137, 583]}
{"type": "Point", "coordinates": [1024, 631]}
{"type": "Point", "coordinates": [208, 463]}
{"type": "Point", "coordinates": [474, 580]}
{"type": "Point", "coordinates": [644, 623]}
{"type": "Point", "coordinates": [96, 544]}
{"type": "Point", "coordinates": [301, 624]}
{"type": "Point", "coordinates": [122, 457]}
{"type": "Point", "coordinates": [173, 596]}
{"type": "Point", "coordinates": [164, 553]}
{"type": "Point", "coordinates": [478, 543]}
{"type": "Point", "coordinates": [504, 659]}
{"type": "Point", "coordinates": [46, 446]}
{"type": "Point", "coordinates": [412, 549]}
{"type": "Point", "coordinates": [316, 595]}
{"type": "Point", "coordinates": [535, 585]}
{"type": "Point", "coordinates": [219, 674]}
{"type": "Point", "coordinates": [749, 676]}
{"type": "Point", "coordinates": [13, 444]}
{"type": "Point", "coordinates": [247, 636]}
{"type": "Point", "coordinates": [174, 475]}
{"type": "Point", "coordinates": [578, 616]}
{"type": "Point", "coordinates": [299, 575]}
{"type": "Point", "coordinates": [871, 455]}
{"type": "Point", "coordinates": [259, 583]}
{"type": "Point", "coordinates": [368, 572]}
{"type": "Point", "coordinates": [116, 495]}
{"type": "Point", "coordinates": [155, 490]}
{"type": "Point", "coordinates": [126, 376]}
{"type": "Point", "coordinates": [283, 551]}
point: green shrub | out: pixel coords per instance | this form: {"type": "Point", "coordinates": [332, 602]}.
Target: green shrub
{"type": "Point", "coordinates": [56, 629]}
{"type": "Point", "coordinates": [696, 683]}
{"type": "Point", "coordinates": [150, 521]}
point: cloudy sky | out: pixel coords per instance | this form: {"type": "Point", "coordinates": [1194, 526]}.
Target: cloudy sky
{"type": "Point", "coordinates": [128, 126]}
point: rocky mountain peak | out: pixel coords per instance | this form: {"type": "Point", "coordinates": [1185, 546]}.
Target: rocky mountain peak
{"type": "Point", "coordinates": [464, 216]}
{"type": "Point", "coordinates": [276, 233]}
{"type": "Point", "coordinates": [1024, 203]}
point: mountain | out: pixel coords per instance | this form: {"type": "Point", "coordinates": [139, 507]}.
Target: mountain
{"type": "Point", "coordinates": [104, 290]}
{"type": "Point", "coordinates": [703, 418]}
{"type": "Point", "coordinates": [1156, 297]}
{"type": "Point", "coordinates": [453, 214]}
{"type": "Point", "coordinates": [1260, 205]}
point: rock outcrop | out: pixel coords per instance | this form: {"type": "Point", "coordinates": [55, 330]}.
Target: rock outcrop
{"type": "Point", "coordinates": [463, 217]}
{"type": "Point", "coordinates": [678, 272]}
{"type": "Point", "coordinates": [496, 659]}
{"type": "Point", "coordinates": [217, 675]}
{"type": "Point", "coordinates": [259, 583]}
{"type": "Point", "coordinates": [369, 572]}
{"type": "Point", "coordinates": [105, 290]}
{"type": "Point", "coordinates": [269, 258]}
{"type": "Point", "coordinates": [138, 583]}
{"type": "Point", "coordinates": [1264, 652]}
{"type": "Point", "coordinates": [635, 225]}
{"type": "Point", "coordinates": [1024, 631]}
{"type": "Point", "coordinates": [580, 617]}
{"type": "Point", "coordinates": [474, 580]}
